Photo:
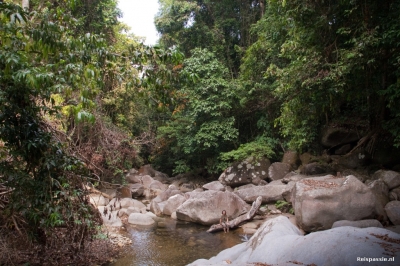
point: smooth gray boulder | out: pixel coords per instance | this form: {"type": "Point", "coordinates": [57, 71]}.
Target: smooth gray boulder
{"type": "Point", "coordinates": [148, 170]}
{"type": "Point", "coordinates": [394, 194]}
{"type": "Point", "coordinates": [169, 192]}
{"type": "Point", "coordinates": [288, 193]}
{"type": "Point", "coordinates": [140, 219]}
{"type": "Point", "coordinates": [214, 185]}
{"type": "Point", "coordinates": [158, 185]}
{"type": "Point", "coordinates": [146, 180]}
{"type": "Point", "coordinates": [381, 192]}
{"type": "Point", "coordinates": [278, 242]}
{"type": "Point", "coordinates": [206, 207]}
{"type": "Point", "coordinates": [154, 188]}
{"type": "Point", "coordinates": [393, 211]}
{"type": "Point", "coordinates": [246, 172]}
{"type": "Point", "coordinates": [291, 158]}
{"type": "Point", "coordinates": [278, 170]}
{"type": "Point", "coordinates": [269, 193]}
{"type": "Point", "coordinates": [172, 204]}
{"type": "Point", "coordinates": [133, 177]}
{"type": "Point", "coordinates": [391, 178]}
{"type": "Point", "coordinates": [359, 224]}
{"type": "Point", "coordinates": [334, 136]}
{"type": "Point", "coordinates": [137, 190]}
{"type": "Point", "coordinates": [318, 202]}
{"type": "Point", "coordinates": [155, 208]}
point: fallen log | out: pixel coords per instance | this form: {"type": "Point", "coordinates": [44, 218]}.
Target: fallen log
{"type": "Point", "coordinates": [238, 220]}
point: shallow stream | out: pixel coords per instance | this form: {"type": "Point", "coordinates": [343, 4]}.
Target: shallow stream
{"type": "Point", "coordinates": [174, 243]}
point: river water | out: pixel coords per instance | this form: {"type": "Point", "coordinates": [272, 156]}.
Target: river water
{"type": "Point", "coordinates": [174, 243]}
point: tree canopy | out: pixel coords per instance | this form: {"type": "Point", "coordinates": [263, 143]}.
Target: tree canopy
{"type": "Point", "coordinates": [294, 68]}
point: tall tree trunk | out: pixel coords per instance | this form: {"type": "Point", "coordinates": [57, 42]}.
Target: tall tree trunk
{"type": "Point", "coordinates": [262, 7]}
{"type": "Point", "coordinates": [25, 4]}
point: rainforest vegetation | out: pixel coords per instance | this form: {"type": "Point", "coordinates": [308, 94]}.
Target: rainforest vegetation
{"type": "Point", "coordinates": [82, 100]}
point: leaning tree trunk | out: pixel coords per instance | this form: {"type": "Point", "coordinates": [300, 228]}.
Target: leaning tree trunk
{"type": "Point", "coordinates": [245, 217]}
{"type": "Point", "coordinates": [262, 7]}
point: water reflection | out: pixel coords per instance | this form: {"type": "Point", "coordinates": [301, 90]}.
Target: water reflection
{"type": "Point", "coordinates": [174, 243]}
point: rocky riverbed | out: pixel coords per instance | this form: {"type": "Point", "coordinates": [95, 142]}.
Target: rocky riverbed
{"type": "Point", "coordinates": [324, 202]}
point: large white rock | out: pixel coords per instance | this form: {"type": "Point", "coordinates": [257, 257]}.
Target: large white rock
{"type": "Point", "coordinates": [278, 242]}
{"type": "Point", "coordinates": [269, 193]}
{"type": "Point", "coordinates": [146, 180]}
{"type": "Point", "coordinates": [381, 192]}
{"type": "Point", "coordinates": [173, 216]}
{"type": "Point", "coordinates": [98, 200]}
{"type": "Point", "coordinates": [206, 207]}
{"type": "Point", "coordinates": [155, 208]}
{"type": "Point", "coordinates": [391, 178]}
{"type": "Point", "coordinates": [246, 172]}
{"type": "Point", "coordinates": [173, 203]}
{"type": "Point", "coordinates": [140, 219]}
{"type": "Point", "coordinates": [320, 201]}
{"type": "Point", "coordinates": [169, 192]}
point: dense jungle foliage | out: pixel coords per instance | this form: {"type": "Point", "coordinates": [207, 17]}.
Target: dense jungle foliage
{"type": "Point", "coordinates": [68, 77]}
{"type": "Point", "coordinates": [273, 74]}
{"type": "Point", "coordinates": [82, 100]}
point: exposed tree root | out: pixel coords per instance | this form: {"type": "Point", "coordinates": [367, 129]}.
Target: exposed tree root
{"type": "Point", "coordinates": [367, 141]}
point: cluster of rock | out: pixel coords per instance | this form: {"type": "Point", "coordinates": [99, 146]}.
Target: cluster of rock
{"type": "Point", "coordinates": [318, 201]}
{"type": "Point", "coordinates": [279, 242]}
{"type": "Point", "coordinates": [344, 203]}
{"type": "Point", "coordinates": [324, 193]}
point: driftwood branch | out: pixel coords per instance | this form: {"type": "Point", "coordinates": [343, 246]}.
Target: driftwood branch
{"type": "Point", "coordinates": [242, 218]}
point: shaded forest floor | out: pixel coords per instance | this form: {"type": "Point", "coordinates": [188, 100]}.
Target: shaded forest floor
{"type": "Point", "coordinates": [18, 250]}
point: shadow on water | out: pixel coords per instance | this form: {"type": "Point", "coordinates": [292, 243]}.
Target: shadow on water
{"type": "Point", "coordinates": [174, 243]}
